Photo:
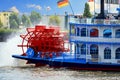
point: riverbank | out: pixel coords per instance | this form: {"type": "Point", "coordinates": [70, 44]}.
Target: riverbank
{"type": "Point", "coordinates": [5, 33]}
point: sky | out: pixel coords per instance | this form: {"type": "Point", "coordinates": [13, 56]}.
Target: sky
{"type": "Point", "coordinates": [45, 7]}
{"type": "Point", "coordinates": [49, 7]}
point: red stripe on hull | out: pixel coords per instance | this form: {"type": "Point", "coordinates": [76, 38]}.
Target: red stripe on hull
{"type": "Point", "coordinates": [39, 64]}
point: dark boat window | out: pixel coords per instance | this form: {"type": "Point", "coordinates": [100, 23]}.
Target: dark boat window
{"type": "Point", "coordinates": [83, 49]}
{"type": "Point", "coordinates": [107, 53]}
{"type": "Point", "coordinates": [78, 32]}
{"type": "Point", "coordinates": [84, 32]}
{"type": "Point", "coordinates": [117, 33]}
{"type": "Point", "coordinates": [94, 50]}
{"type": "Point", "coordinates": [77, 46]}
{"type": "Point", "coordinates": [117, 52]}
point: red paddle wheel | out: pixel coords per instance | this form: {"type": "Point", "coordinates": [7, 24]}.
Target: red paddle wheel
{"type": "Point", "coordinates": [44, 40]}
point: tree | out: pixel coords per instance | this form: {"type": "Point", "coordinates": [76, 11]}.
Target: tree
{"type": "Point", "coordinates": [54, 20]}
{"type": "Point", "coordinates": [87, 11]}
{"type": "Point", "coordinates": [26, 20]}
{"type": "Point", "coordinates": [14, 18]}
{"type": "Point", "coordinates": [14, 24]}
{"type": "Point", "coordinates": [35, 17]}
{"type": "Point", "coordinates": [1, 24]}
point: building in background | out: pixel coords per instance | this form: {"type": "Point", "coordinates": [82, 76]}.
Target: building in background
{"type": "Point", "coordinates": [110, 6]}
{"type": "Point", "coordinates": [4, 17]}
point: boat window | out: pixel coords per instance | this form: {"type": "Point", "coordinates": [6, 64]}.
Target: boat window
{"type": "Point", "coordinates": [83, 49]}
{"type": "Point", "coordinates": [94, 50]}
{"type": "Point", "coordinates": [107, 33]}
{"type": "Point", "coordinates": [117, 52]}
{"type": "Point", "coordinates": [78, 32]}
{"type": "Point", "coordinates": [107, 53]}
{"type": "Point", "coordinates": [94, 33]}
{"type": "Point", "coordinates": [77, 46]}
{"type": "Point", "coordinates": [117, 33]}
{"type": "Point", "coordinates": [84, 32]}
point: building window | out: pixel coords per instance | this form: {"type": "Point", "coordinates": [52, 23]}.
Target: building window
{"type": "Point", "coordinates": [106, 1]}
{"type": "Point", "coordinates": [94, 33]}
{"type": "Point", "coordinates": [107, 53]}
{"type": "Point", "coordinates": [94, 50]}
{"type": "Point", "coordinates": [84, 32]}
{"type": "Point", "coordinates": [116, 1]}
{"type": "Point", "coordinates": [117, 52]}
{"type": "Point", "coordinates": [107, 33]}
{"type": "Point", "coordinates": [7, 23]}
{"type": "Point", "coordinates": [112, 1]}
{"type": "Point", "coordinates": [4, 14]}
{"type": "Point", "coordinates": [7, 18]}
{"type": "Point", "coordinates": [83, 49]}
{"type": "Point", "coordinates": [117, 33]}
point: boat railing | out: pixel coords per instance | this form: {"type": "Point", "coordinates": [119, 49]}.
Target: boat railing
{"type": "Point", "coordinates": [80, 20]}
{"type": "Point", "coordinates": [106, 21]}
{"type": "Point", "coordinates": [95, 39]}
{"type": "Point", "coordinates": [93, 21]}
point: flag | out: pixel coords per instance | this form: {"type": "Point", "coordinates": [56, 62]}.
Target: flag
{"type": "Point", "coordinates": [90, 0]}
{"type": "Point", "coordinates": [62, 3]}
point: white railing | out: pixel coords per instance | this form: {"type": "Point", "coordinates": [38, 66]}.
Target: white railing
{"type": "Point", "coordinates": [95, 39]}
{"type": "Point", "coordinates": [82, 21]}
{"type": "Point", "coordinates": [94, 21]}
{"type": "Point", "coordinates": [106, 21]}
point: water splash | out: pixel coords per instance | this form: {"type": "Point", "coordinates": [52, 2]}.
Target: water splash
{"type": "Point", "coordinates": [7, 49]}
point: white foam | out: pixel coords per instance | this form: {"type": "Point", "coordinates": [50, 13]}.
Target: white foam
{"type": "Point", "coordinates": [7, 49]}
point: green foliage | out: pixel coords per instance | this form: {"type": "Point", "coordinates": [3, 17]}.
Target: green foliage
{"type": "Point", "coordinates": [35, 17]}
{"type": "Point", "coordinates": [14, 24]}
{"type": "Point", "coordinates": [26, 20]}
{"type": "Point", "coordinates": [3, 30]}
{"type": "Point", "coordinates": [87, 11]}
{"type": "Point", "coordinates": [14, 20]}
{"type": "Point", "coordinates": [5, 33]}
{"type": "Point", "coordinates": [1, 24]}
{"type": "Point", "coordinates": [54, 20]}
